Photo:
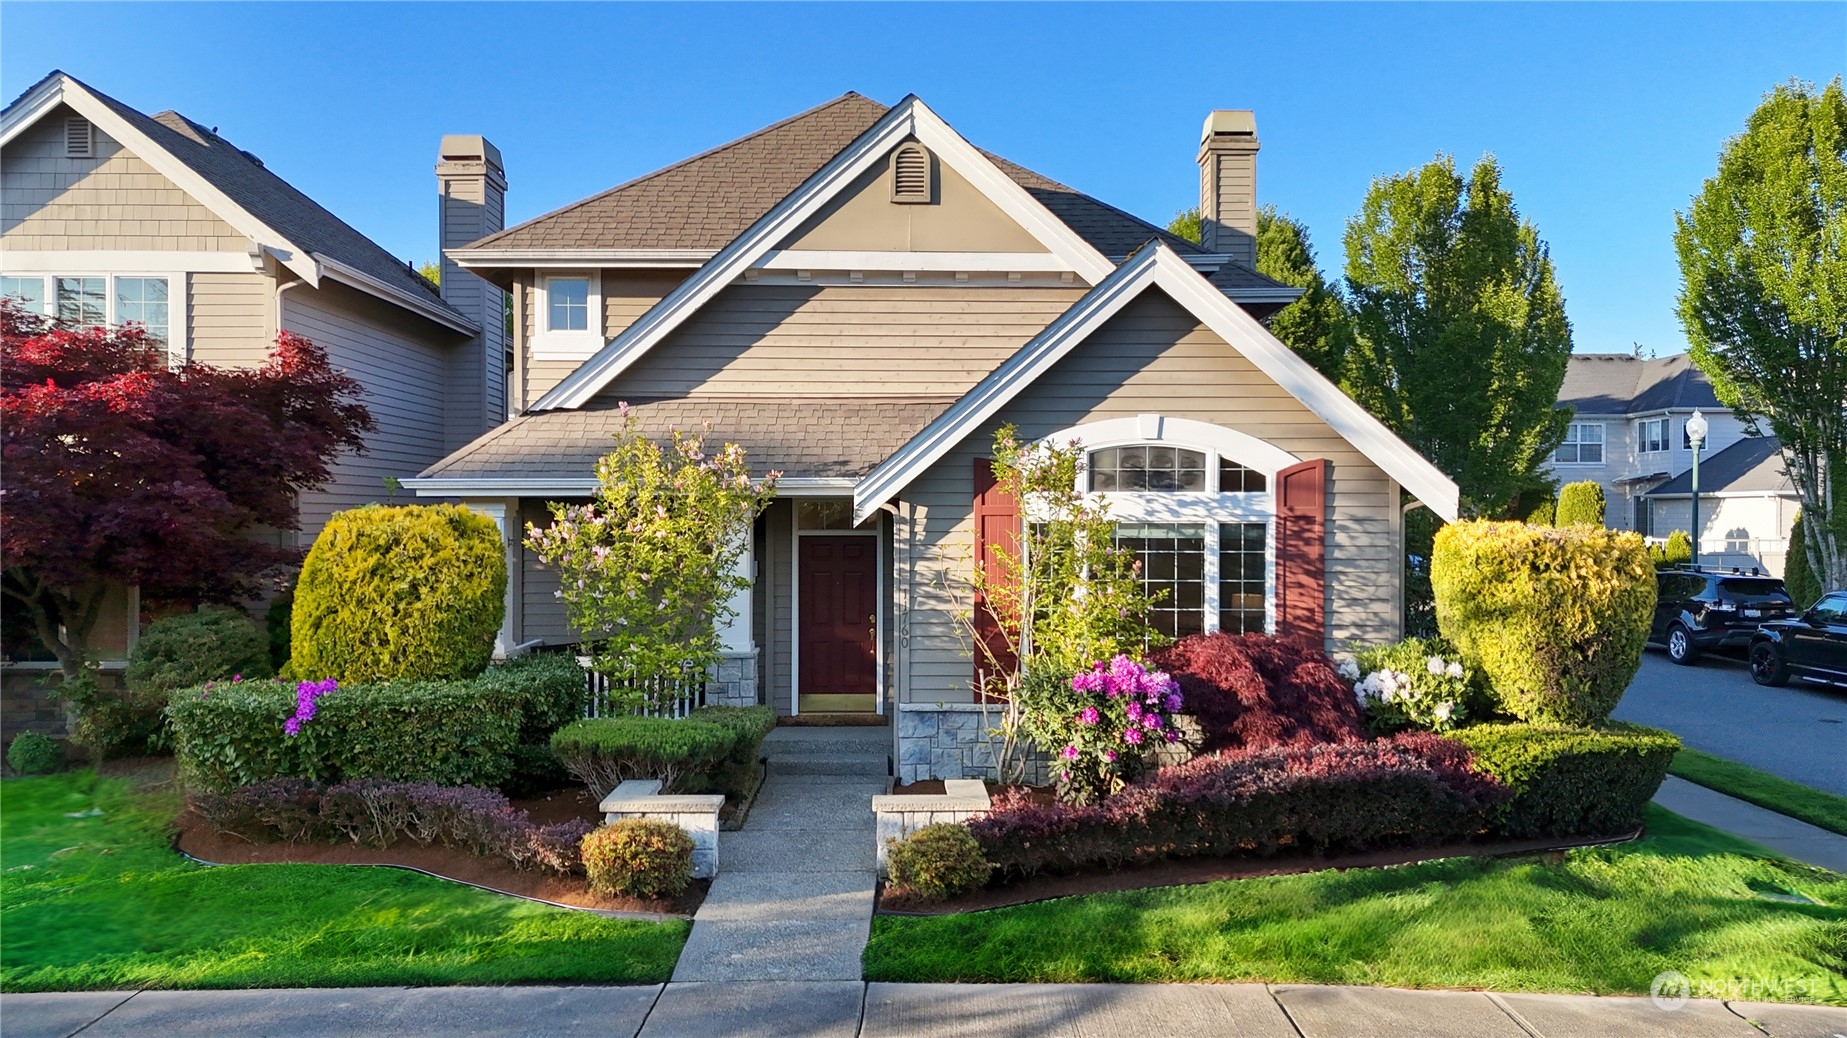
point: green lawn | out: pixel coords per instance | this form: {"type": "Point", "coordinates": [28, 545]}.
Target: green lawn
{"type": "Point", "coordinates": [1604, 920]}
{"type": "Point", "coordinates": [1763, 789]}
{"type": "Point", "coordinates": [98, 900]}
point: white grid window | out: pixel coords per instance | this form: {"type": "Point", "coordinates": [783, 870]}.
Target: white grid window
{"type": "Point", "coordinates": [27, 292]}
{"type": "Point", "coordinates": [1243, 564]}
{"type": "Point", "coordinates": [569, 305]}
{"type": "Point", "coordinates": [82, 302]}
{"type": "Point", "coordinates": [1171, 561]}
{"type": "Point", "coordinates": [1583, 445]}
{"type": "Point", "coordinates": [1651, 436]}
{"type": "Point", "coordinates": [143, 301]}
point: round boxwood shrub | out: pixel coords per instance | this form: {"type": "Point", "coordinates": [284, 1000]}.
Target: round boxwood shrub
{"type": "Point", "coordinates": [1555, 618]}
{"type": "Point", "coordinates": [414, 592]}
{"type": "Point", "coordinates": [638, 857]}
{"type": "Point", "coordinates": [213, 644]}
{"type": "Point", "coordinates": [34, 754]}
{"type": "Point", "coordinates": [938, 862]}
{"type": "Point", "coordinates": [1580, 504]}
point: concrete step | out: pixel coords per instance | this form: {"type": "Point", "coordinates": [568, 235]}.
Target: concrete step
{"type": "Point", "coordinates": [868, 764]}
{"type": "Point", "coordinates": [825, 742]}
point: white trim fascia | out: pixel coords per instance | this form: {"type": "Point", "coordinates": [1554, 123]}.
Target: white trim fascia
{"type": "Point", "coordinates": [65, 90]}
{"type": "Point", "coordinates": [1263, 295]}
{"type": "Point", "coordinates": [909, 118]}
{"type": "Point", "coordinates": [495, 258]}
{"type": "Point", "coordinates": [559, 486]}
{"type": "Point", "coordinates": [944, 262]}
{"type": "Point", "coordinates": [1789, 494]}
{"type": "Point", "coordinates": [1159, 266]}
{"type": "Point", "coordinates": [334, 270]}
{"type": "Point", "coordinates": [15, 262]}
{"type": "Point", "coordinates": [30, 109]}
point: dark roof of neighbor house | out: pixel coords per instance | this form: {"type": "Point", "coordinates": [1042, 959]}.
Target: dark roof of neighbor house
{"type": "Point", "coordinates": [277, 203]}
{"type": "Point", "coordinates": [709, 199]}
{"type": "Point", "coordinates": [1617, 383]}
{"type": "Point", "coordinates": [799, 437]}
{"type": "Point", "coordinates": [1750, 466]}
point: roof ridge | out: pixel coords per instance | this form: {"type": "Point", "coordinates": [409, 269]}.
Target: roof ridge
{"type": "Point", "coordinates": [708, 153]}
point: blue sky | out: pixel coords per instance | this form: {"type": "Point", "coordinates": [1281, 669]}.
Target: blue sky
{"type": "Point", "coordinates": [1605, 117]}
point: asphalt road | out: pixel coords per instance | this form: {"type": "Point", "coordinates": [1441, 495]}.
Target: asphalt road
{"type": "Point", "coordinates": [1798, 732]}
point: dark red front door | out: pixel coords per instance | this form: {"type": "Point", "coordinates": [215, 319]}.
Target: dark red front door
{"type": "Point", "coordinates": [839, 610]}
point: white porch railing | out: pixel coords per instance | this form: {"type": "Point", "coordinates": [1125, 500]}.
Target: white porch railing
{"type": "Point", "coordinates": [662, 697]}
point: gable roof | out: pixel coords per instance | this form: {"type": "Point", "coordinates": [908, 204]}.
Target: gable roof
{"type": "Point", "coordinates": [1619, 384]}
{"type": "Point", "coordinates": [1753, 465]}
{"type": "Point", "coordinates": [910, 118]}
{"type": "Point", "coordinates": [240, 190]}
{"type": "Point", "coordinates": [1159, 266]}
{"type": "Point", "coordinates": [820, 438]}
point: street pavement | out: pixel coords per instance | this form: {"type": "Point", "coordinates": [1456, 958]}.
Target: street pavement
{"type": "Point", "coordinates": [1798, 732]}
{"type": "Point", "coordinates": [849, 1009]}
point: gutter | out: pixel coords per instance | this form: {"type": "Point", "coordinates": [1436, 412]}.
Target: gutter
{"type": "Point", "coordinates": [428, 308]}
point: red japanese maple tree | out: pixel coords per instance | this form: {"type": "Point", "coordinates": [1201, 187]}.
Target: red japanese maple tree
{"type": "Point", "coordinates": [115, 468]}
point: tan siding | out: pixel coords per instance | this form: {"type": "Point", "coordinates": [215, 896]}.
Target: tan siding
{"type": "Point", "coordinates": [1153, 357]}
{"type": "Point", "coordinates": [784, 340]}
{"type": "Point", "coordinates": [388, 352]}
{"type": "Point", "coordinates": [112, 200]}
{"type": "Point", "coordinates": [231, 318]}
{"type": "Point", "coordinates": [627, 294]}
{"type": "Point", "coordinates": [864, 218]}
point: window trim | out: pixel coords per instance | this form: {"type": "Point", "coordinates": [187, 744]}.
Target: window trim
{"type": "Point", "coordinates": [1643, 431]}
{"type": "Point", "coordinates": [576, 345]}
{"type": "Point", "coordinates": [179, 346]}
{"type": "Point", "coordinates": [1603, 443]}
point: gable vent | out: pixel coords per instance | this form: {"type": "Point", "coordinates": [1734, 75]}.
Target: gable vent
{"type": "Point", "coordinates": [79, 138]}
{"type": "Point", "coordinates": [910, 174]}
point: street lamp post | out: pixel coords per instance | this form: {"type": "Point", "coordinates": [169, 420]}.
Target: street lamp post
{"type": "Point", "coordinates": [1696, 435]}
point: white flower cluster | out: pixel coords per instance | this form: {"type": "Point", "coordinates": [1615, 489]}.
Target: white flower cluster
{"type": "Point", "coordinates": [1425, 701]}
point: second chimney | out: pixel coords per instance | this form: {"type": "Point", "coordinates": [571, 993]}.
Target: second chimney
{"type": "Point", "coordinates": [1228, 185]}
{"type": "Point", "coordinates": [471, 187]}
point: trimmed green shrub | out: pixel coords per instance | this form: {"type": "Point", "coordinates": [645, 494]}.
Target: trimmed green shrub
{"type": "Point", "coordinates": [1571, 781]}
{"type": "Point", "coordinates": [1798, 579]}
{"type": "Point", "coordinates": [549, 687]}
{"type": "Point", "coordinates": [1554, 618]}
{"type": "Point", "coordinates": [213, 644]}
{"type": "Point", "coordinates": [1678, 549]}
{"type": "Point", "coordinates": [604, 752]}
{"type": "Point", "coordinates": [532, 768]}
{"type": "Point", "coordinates": [1542, 513]}
{"type": "Point", "coordinates": [638, 857]}
{"type": "Point", "coordinates": [449, 732]}
{"type": "Point", "coordinates": [34, 754]}
{"type": "Point", "coordinates": [1580, 504]}
{"type": "Point", "coordinates": [737, 773]}
{"type": "Point", "coordinates": [409, 593]}
{"type": "Point", "coordinates": [938, 862]}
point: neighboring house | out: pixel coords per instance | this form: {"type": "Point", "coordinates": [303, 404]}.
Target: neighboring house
{"type": "Point", "coordinates": [859, 297]}
{"type": "Point", "coordinates": [1629, 433]}
{"type": "Point", "coordinates": [112, 216]}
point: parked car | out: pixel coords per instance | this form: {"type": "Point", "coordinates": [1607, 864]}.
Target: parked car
{"type": "Point", "coordinates": [1698, 610]}
{"type": "Point", "coordinates": [1812, 645]}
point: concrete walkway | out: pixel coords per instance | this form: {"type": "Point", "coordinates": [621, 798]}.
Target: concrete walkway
{"type": "Point", "coordinates": [793, 897]}
{"type": "Point", "coordinates": [1780, 833]}
{"type": "Point", "coordinates": [835, 1009]}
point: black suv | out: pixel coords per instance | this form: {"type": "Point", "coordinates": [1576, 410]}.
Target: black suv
{"type": "Point", "coordinates": [1698, 610]}
{"type": "Point", "coordinates": [1813, 645]}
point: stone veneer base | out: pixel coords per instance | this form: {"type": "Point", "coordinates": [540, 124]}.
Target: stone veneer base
{"type": "Point", "coordinates": [951, 741]}
{"type": "Point", "coordinates": [900, 816]}
{"type": "Point", "coordinates": [733, 681]}
{"type": "Point", "coordinates": [698, 815]}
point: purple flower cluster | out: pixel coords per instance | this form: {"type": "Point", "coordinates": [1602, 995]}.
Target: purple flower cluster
{"type": "Point", "coordinates": [1117, 712]}
{"type": "Point", "coordinates": [306, 695]}
{"type": "Point", "coordinates": [1145, 696]}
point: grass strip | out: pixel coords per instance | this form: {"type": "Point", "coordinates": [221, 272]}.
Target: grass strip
{"type": "Point", "coordinates": [1811, 805]}
{"type": "Point", "coordinates": [1605, 920]}
{"type": "Point", "coordinates": [93, 897]}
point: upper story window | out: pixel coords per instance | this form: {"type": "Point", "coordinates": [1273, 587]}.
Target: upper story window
{"type": "Point", "coordinates": [1651, 436]}
{"type": "Point", "coordinates": [82, 302]}
{"type": "Point", "coordinates": [27, 292]}
{"type": "Point", "coordinates": [144, 301]}
{"type": "Point", "coordinates": [1583, 445]}
{"type": "Point", "coordinates": [106, 300]}
{"type": "Point", "coordinates": [568, 302]}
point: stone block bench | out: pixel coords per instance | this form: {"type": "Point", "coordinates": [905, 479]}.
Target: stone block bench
{"type": "Point", "coordinates": [697, 814]}
{"type": "Point", "coordinates": [900, 816]}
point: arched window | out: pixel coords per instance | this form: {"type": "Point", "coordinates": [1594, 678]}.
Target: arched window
{"type": "Point", "coordinates": [1193, 502]}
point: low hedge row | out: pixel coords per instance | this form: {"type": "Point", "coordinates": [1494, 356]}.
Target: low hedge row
{"type": "Point", "coordinates": [380, 813]}
{"type": "Point", "coordinates": [1415, 789]}
{"type": "Point", "coordinates": [1571, 781]}
{"type": "Point", "coordinates": [717, 744]}
{"type": "Point", "coordinates": [456, 733]}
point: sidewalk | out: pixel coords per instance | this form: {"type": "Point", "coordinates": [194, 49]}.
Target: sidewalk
{"type": "Point", "coordinates": [1780, 833]}
{"type": "Point", "coordinates": [835, 1009]}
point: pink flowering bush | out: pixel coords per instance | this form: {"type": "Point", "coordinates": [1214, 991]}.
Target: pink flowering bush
{"type": "Point", "coordinates": [1101, 725]}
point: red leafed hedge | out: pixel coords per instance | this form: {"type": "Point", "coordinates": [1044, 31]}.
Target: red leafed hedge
{"type": "Point", "coordinates": [1411, 790]}
{"type": "Point", "coordinates": [1254, 692]}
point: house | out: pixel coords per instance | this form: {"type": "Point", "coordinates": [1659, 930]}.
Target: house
{"type": "Point", "coordinates": [860, 297]}
{"type": "Point", "coordinates": [1628, 433]}
{"type": "Point", "coordinates": [112, 215]}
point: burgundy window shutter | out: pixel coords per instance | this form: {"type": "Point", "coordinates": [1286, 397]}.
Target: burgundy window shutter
{"type": "Point", "coordinates": [1301, 552]}
{"type": "Point", "coordinates": [997, 524]}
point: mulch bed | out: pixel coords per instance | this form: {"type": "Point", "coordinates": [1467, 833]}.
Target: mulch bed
{"type": "Point", "coordinates": [198, 840]}
{"type": "Point", "coordinates": [1211, 870]}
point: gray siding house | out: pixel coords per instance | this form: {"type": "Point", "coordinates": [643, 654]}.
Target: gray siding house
{"type": "Point", "coordinates": [112, 215]}
{"type": "Point", "coordinates": [859, 297]}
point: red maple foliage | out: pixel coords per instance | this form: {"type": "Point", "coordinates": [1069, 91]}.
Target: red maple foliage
{"type": "Point", "coordinates": [114, 468]}
{"type": "Point", "coordinates": [1255, 691]}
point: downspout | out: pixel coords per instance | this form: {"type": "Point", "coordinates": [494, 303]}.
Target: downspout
{"type": "Point", "coordinates": [281, 288]}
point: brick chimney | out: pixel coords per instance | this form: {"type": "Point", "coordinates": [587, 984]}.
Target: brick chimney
{"type": "Point", "coordinates": [1228, 185]}
{"type": "Point", "coordinates": [471, 191]}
